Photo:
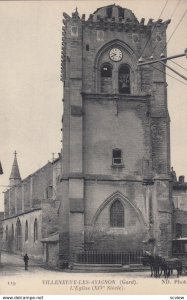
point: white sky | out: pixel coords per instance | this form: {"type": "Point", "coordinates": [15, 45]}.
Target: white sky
{"type": "Point", "coordinates": [30, 86]}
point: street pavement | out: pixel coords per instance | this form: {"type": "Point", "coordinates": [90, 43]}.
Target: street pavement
{"type": "Point", "coordinates": [13, 265]}
{"type": "Point", "coordinates": [39, 280]}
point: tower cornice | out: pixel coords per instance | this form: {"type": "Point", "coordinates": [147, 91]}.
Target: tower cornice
{"type": "Point", "coordinates": [116, 97]}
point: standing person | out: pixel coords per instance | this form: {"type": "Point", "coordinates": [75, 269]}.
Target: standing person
{"type": "Point", "coordinates": [26, 260]}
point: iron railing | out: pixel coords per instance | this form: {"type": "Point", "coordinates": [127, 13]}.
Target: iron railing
{"type": "Point", "coordinates": [106, 257]}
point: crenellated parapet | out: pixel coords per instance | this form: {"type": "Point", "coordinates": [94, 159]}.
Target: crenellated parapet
{"type": "Point", "coordinates": [127, 25]}
{"type": "Point", "coordinates": [123, 20]}
{"type": "Point", "coordinates": [115, 19]}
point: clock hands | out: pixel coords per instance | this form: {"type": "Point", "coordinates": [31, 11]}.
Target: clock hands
{"type": "Point", "coordinates": [112, 55]}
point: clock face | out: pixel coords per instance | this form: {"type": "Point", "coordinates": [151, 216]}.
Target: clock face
{"type": "Point", "coordinates": [116, 54]}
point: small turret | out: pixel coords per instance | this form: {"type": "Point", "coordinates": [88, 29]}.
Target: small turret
{"type": "Point", "coordinates": [15, 177]}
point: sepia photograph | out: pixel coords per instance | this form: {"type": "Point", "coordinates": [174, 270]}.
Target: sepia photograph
{"type": "Point", "coordinates": [93, 163]}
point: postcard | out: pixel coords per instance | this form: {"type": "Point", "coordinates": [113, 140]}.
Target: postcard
{"type": "Point", "coordinates": [93, 148]}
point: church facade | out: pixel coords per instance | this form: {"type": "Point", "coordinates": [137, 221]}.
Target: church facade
{"type": "Point", "coordinates": [116, 191]}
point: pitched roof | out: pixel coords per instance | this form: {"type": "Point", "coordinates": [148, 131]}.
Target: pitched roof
{"type": "Point", "coordinates": [53, 238]}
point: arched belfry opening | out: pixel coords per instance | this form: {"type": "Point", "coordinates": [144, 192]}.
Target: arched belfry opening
{"type": "Point", "coordinates": [116, 69]}
{"type": "Point", "coordinates": [124, 79]}
{"type": "Point", "coordinates": [106, 78]}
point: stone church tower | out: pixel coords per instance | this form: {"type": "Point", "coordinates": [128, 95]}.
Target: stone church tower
{"type": "Point", "coordinates": [116, 139]}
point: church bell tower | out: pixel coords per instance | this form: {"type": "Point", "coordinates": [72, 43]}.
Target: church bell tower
{"type": "Point", "coordinates": [116, 146]}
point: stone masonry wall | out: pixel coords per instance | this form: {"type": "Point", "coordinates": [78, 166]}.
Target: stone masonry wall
{"type": "Point", "coordinates": [98, 232]}
{"type": "Point", "coordinates": [180, 217]}
{"type": "Point", "coordinates": [49, 217]}
{"type": "Point", "coordinates": [32, 248]}
{"type": "Point", "coordinates": [105, 129]}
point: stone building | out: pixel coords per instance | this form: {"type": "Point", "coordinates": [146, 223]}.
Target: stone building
{"type": "Point", "coordinates": [114, 191]}
{"type": "Point", "coordinates": [116, 179]}
{"type": "Point", "coordinates": [30, 220]}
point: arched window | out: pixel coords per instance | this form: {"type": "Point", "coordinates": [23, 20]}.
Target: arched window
{"type": "Point", "coordinates": [117, 214]}
{"type": "Point", "coordinates": [26, 231]}
{"type": "Point", "coordinates": [124, 79]}
{"type": "Point", "coordinates": [12, 233]}
{"type": "Point", "coordinates": [35, 230]}
{"type": "Point", "coordinates": [6, 233]}
{"type": "Point", "coordinates": [18, 235]}
{"type": "Point", "coordinates": [106, 78]}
